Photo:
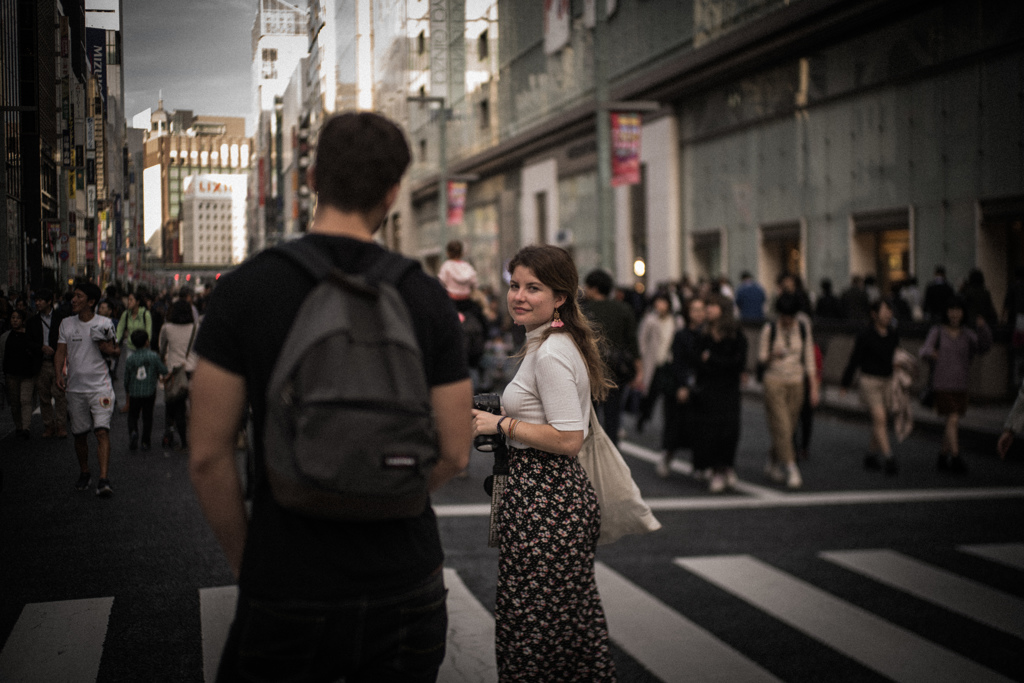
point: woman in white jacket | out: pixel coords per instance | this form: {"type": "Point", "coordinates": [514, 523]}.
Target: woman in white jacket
{"type": "Point", "coordinates": [176, 338]}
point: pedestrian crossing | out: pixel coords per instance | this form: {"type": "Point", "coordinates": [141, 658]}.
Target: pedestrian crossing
{"type": "Point", "coordinates": [64, 640]}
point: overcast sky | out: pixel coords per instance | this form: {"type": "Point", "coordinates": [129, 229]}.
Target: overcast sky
{"type": "Point", "coordinates": [197, 51]}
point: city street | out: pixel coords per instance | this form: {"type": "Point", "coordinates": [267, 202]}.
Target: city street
{"type": "Point", "coordinates": [855, 577]}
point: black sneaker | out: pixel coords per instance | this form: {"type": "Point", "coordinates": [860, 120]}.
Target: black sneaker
{"type": "Point", "coordinates": [891, 466]}
{"type": "Point", "coordinates": [84, 479]}
{"type": "Point", "coordinates": [871, 462]}
{"type": "Point", "coordinates": [957, 465]}
{"type": "Point", "coordinates": [133, 441]}
{"type": "Point", "coordinates": [103, 489]}
{"type": "Point", "coordinates": [145, 445]}
{"type": "Point", "coordinates": [942, 463]}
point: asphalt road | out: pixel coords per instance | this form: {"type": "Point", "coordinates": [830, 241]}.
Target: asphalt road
{"type": "Point", "coordinates": [856, 577]}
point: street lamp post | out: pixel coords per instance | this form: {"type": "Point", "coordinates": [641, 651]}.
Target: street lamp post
{"type": "Point", "coordinates": [442, 151]}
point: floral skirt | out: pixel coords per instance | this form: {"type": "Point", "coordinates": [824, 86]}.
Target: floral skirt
{"type": "Point", "coordinates": [549, 623]}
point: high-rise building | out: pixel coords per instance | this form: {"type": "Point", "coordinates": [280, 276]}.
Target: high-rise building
{"type": "Point", "coordinates": [213, 219]}
{"type": "Point", "coordinates": [279, 41]}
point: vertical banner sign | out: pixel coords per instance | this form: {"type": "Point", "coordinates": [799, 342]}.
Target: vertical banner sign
{"type": "Point", "coordinates": [65, 46]}
{"type": "Point", "coordinates": [90, 134]}
{"type": "Point", "coordinates": [625, 148]}
{"type": "Point", "coordinates": [557, 25]}
{"type": "Point", "coordinates": [96, 52]}
{"type": "Point", "coordinates": [439, 48]}
{"type": "Point", "coordinates": [456, 51]}
{"type": "Point", "coordinates": [456, 202]}
{"type": "Point", "coordinates": [90, 200]}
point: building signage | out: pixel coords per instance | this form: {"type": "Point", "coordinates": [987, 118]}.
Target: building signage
{"type": "Point", "coordinates": [557, 25]}
{"type": "Point", "coordinates": [456, 202]}
{"type": "Point", "coordinates": [90, 133]}
{"type": "Point", "coordinates": [96, 52]}
{"type": "Point", "coordinates": [90, 200]}
{"type": "Point", "coordinates": [439, 48]}
{"type": "Point", "coordinates": [625, 148]}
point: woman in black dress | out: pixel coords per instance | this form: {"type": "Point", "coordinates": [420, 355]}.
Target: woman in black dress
{"type": "Point", "coordinates": [722, 354]}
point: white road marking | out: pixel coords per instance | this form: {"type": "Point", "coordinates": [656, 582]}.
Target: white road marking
{"type": "Point", "coordinates": [937, 586]}
{"type": "Point", "coordinates": [1010, 554]}
{"type": "Point", "coordinates": [670, 646]}
{"type": "Point", "coordinates": [470, 653]}
{"type": "Point", "coordinates": [789, 500]}
{"type": "Point", "coordinates": [216, 612]}
{"type": "Point", "coordinates": [877, 644]}
{"type": "Point", "coordinates": [685, 468]}
{"type": "Point", "coordinates": [56, 641]}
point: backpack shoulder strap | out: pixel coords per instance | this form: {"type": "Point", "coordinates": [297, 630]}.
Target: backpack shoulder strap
{"type": "Point", "coordinates": [307, 257]}
{"type": "Point", "coordinates": [391, 268]}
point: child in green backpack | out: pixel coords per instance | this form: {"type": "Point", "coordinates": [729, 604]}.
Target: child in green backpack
{"type": "Point", "coordinates": [141, 373]}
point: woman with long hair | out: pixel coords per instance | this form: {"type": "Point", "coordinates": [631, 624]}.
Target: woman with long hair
{"type": "Point", "coordinates": [657, 329]}
{"type": "Point", "coordinates": [721, 357]}
{"type": "Point", "coordinates": [549, 623]}
{"type": "Point", "coordinates": [679, 430]}
{"type": "Point", "coordinates": [176, 337]}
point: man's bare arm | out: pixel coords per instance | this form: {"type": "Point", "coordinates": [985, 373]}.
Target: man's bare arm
{"type": "Point", "coordinates": [218, 401]}
{"type": "Point", "coordinates": [452, 404]}
{"type": "Point", "coordinates": [58, 363]}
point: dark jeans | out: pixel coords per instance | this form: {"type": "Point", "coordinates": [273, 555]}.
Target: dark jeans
{"type": "Point", "coordinates": [176, 415]}
{"type": "Point", "coordinates": [143, 405]}
{"type": "Point", "coordinates": [386, 639]}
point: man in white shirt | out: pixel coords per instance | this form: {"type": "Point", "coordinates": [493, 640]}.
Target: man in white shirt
{"type": "Point", "coordinates": [83, 340]}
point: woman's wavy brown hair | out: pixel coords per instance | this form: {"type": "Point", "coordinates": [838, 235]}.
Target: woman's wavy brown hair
{"type": "Point", "coordinates": [554, 267]}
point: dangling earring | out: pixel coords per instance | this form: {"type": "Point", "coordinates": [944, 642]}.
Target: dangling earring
{"type": "Point", "coordinates": [557, 322]}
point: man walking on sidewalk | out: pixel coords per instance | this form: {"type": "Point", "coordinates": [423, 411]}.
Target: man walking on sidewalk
{"type": "Point", "coordinates": [353, 599]}
{"type": "Point", "coordinates": [44, 327]}
{"type": "Point", "coordinates": [83, 339]}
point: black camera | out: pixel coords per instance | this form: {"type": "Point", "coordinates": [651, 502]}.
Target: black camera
{"type": "Point", "coordinates": [490, 403]}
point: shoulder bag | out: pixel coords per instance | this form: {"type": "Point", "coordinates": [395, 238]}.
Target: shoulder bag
{"type": "Point", "coordinates": [623, 510]}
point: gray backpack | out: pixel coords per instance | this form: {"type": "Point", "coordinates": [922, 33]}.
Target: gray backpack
{"type": "Point", "coordinates": [349, 431]}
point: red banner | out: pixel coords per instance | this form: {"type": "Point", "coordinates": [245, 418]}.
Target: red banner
{"type": "Point", "coordinates": [456, 202]}
{"type": "Point", "coordinates": [625, 148]}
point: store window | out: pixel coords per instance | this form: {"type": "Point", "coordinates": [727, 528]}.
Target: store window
{"type": "Point", "coordinates": [707, 253]}
{"type": "Point", "coordinates": [1000, 240]}
{"type": "Point", "coordinates": [881, 246]}
{"type": "Point", "coordinates": [781, 252]}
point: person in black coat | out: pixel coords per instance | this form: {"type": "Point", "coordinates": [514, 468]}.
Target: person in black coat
{"type": "Point", "coordinates": [20, 358]}
{"type": "Point", "coordinates": [678, 427]}
{"type": "Point", "coordinates": [722, 358]}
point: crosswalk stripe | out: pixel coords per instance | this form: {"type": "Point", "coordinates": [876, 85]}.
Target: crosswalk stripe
{"type": "Point", "coordinates": [670, 646]}
{"type": "Point", "coordinates": [470, 652]}
{"type": "Point", "coordinates": [937, 586]}
{"type": "Point", "coordinates": [57, 641]}
{"type": "Point", "coordinates": [216, 612]}
{"type": "Point", "coordinates": [858, 634]}
{"type": "Point", "coordinates": [1010, 554]}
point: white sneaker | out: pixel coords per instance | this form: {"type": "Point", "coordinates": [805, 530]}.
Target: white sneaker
{"type": "Point", "coordinates": [793, 479]}
{"type": "Point", "coordinates": [774, 472]}
{"type": "Point", "coordinates": [717, 484]}
{"type": "Point", "coordinates": [661, 469]}
{"type": "Point", "coordinates": [731, 478]}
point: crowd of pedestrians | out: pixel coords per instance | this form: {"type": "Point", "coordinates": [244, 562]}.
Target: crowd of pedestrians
{"type": "Point", "coordinates": [64, 354]}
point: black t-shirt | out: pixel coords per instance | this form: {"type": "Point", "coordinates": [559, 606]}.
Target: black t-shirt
{"type": "Point", "coordinates": [289, 555]}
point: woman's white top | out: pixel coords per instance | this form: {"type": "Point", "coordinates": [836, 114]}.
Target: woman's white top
{"type": "Point", "coordinates": [551, 386]}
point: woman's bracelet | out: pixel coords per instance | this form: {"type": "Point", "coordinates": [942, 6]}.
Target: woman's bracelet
{"type": "Point", "coordinates": [513, 428]}
{"type": "Point", "coordinates": [500, 431]}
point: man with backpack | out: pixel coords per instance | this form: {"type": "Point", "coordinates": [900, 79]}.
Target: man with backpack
{"type": "Point", "coordinates": [342, 544]}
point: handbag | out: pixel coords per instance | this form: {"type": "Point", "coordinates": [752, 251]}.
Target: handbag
{"type": "Point", "coordinates": [176, 387]}
{"type": "Point", "coordinates": [623, 510]}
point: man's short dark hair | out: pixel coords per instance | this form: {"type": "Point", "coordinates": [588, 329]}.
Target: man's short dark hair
{"type": "Point", "coordinates": [44, 295]}
{"type": "Point", "coordinates": [139, 338]}
{"type": "Point", "coordinates": [91, 291]}
{"type": "Point", "coordinates": [601, 281]}
{"type": "Point", "coordinates": [359, 157]}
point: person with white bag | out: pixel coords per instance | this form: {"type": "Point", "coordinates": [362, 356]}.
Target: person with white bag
{"type": "Point", "coordinates": [549, 622]}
